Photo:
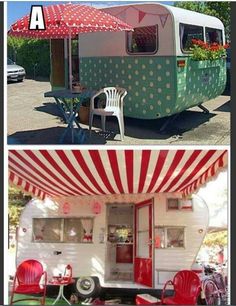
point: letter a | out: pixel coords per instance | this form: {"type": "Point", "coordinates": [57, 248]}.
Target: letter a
{"type": "Point", "coordinates": [36, 18]}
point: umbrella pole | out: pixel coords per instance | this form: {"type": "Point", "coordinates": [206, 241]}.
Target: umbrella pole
{"type": "Point", "coordinates": [70, 62]}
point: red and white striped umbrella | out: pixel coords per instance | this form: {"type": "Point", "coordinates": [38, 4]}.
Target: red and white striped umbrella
{"type": "Point", "coordinates": [57, 173]}
{"type": "Point", "coordinates": [62, 20]}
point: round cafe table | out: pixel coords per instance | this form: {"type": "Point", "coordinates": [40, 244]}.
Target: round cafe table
{"type": "Point", "coordinates": [61, 282]}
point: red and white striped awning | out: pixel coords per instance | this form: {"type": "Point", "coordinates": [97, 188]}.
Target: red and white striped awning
{"type": "Point", "coordinates": [57, 173]}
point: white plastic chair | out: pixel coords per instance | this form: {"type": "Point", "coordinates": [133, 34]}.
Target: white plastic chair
{"type": "Point", "coordinates": [113, 107]}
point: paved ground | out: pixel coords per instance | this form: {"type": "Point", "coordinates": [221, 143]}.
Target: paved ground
{"type": "Point", "coordinates": [33, 119]}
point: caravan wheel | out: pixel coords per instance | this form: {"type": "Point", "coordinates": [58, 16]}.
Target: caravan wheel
{"type": "Point", "coordinates": [87, 286]}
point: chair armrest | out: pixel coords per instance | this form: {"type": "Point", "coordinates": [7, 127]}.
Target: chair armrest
{"type": "Point", "coordinates": [95, 96]}
{"type": "Point", "coordinates": [169, 282]}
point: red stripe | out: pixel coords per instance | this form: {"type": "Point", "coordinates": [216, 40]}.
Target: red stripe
{"type": "Point", "coordinates": [129, 162]}
{"type": "Point", "coordinates": [68, 164]}
{"type": "Point", "coordinates": [186, 166]}
{"type": "Point", "coordinates": [34, 190]}
{"type": "Point", "coordinates": [159, 165]}
{"type": "Point", "coordinates": [20, 181]}
{"type": "Point", "coordinates": [38, 182]}
{"type": "Point", "coordinates": [11, 176]}
{"type": "Point", "coordinates": [27, 186]}
{"type": "Point", "coordinates": [198, 168]}
{"type": "Point", "coordinates": [144, 167]}
{"type": "Point", "coordinates": [78, 156]}
{"type": "Point", "coordinates": [178, 156]}
{"type": "Point", "coordinates": [55, 165]}
{"type": "Point", "coordinates": [100, 169]}
{"type": "Point", "coordinates": [37, 171]}
{"type": "Point", "coordinates": [115, 169]}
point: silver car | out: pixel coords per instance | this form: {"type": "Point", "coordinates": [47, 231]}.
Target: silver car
{"type": "Point", "coordinates": [14, 72]}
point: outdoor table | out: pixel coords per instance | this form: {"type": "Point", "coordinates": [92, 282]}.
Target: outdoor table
{"type": "Point", "coordinates": [61, 282]}
{"type": "Point", "coordinates": [66, 101]}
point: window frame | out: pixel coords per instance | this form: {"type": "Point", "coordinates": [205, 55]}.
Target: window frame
{"type": "Point", "coordinates": [180, 207]}
{"type": "Point", "coordinates": [221, 31]}
{"type": "Point", "coordinates": [143, 53]}
{"type": "Point", "coordinates": [180, 41]}
{"type": "Point", "coordinates": [165, 228]}
{"type": "Point", "coordinates": [62, 229]}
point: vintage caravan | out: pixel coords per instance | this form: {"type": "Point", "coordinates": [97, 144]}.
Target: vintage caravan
{"type": "Point", "coordinates": [153, 62]}
{"type": "Point", "coordinates": [120, 218]}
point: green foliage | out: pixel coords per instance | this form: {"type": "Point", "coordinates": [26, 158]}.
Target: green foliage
{"type": "Point", "coordinates": [202, 51]}
{"type": "Point", "coordinates": [220, 10]}
{"type": "Point", "coordinates": [32, 54]}
{"type": "Point", "coordinates": [216, 239]}
{"type": "Point", "coordinates": [16, 202]}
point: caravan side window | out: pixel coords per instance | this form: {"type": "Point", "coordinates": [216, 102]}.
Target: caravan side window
{"type": "Point", "coordinates": [69, 230]}
{"type": "Point", "coordinates": [142, 40]}
{"type": "Point", "coordinates": [214, 36]}
{"type": "Point", "coordinates": [170, 237]}
{"type": "Point", "coordinates": [188, 32]}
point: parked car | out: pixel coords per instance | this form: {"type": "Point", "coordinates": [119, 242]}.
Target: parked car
{"type": "Point", "coordinates": [14, 72]}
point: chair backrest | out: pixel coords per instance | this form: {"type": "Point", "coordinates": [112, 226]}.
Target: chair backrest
{"type": "Point", "coordinates": [114, 96]}
{"type": "Point", "coordinates": [29, 272]}
{"type": "Point", "coordinates": [187, 284]}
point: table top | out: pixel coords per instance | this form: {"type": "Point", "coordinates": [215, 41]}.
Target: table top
{"type": "Point", "coordinates": [61, 280]}
{"type": "Point", "coordinates": [64, 93]}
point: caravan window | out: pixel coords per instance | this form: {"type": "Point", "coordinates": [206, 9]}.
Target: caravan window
{"type": "Point", "coordinates": [74, 230]}
{"type": "Point", "coordinates": [214, 36]}
{"type": "Point", "coordinates": [143, 40]}
{"type": "Point", "coordinates": [169, 237]}
{"type": "Point", "coordinates": [188, 32]}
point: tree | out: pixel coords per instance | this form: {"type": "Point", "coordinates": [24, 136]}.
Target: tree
{"type": "Point", "coordinates": [220, 10]}
{"type": "Point", "coordinates": [16, 202]}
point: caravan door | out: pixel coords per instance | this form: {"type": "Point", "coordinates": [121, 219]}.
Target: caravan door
{"type": "Point", "coordinates": [143, 261]}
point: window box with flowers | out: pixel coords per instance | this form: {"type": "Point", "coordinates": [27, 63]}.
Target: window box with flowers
{"type": "Point", "coordinates": [204, 55]}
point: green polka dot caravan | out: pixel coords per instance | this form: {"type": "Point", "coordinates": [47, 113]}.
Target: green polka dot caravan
{"type": "Point", "coordinates": [154, 61]}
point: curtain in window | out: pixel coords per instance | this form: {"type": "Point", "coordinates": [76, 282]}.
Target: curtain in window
{"type": "Point", "coordinates": [88, 227]}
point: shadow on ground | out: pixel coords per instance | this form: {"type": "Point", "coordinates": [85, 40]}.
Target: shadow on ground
{"type": "Point", "coordinates": [224, 107]}
{"type": "Point", "coordinates": [175, 127]}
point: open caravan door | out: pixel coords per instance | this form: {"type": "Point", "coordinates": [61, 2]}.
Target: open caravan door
{"type": "Point", "coordinates": [143, 261]}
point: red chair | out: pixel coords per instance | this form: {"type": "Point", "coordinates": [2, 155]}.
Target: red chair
{"type": "Point", "coordinates": [30, 278]}
{"type": "Point", "coordinates": [187, 287]}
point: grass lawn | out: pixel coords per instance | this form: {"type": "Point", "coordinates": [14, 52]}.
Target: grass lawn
{"type": "Point", "coordinates": [49, 301]}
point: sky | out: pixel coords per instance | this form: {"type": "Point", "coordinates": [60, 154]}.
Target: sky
{"type": "Point", "coordinates": [215, 194]}
{"type": "Point", "coordinates": [18, 9]}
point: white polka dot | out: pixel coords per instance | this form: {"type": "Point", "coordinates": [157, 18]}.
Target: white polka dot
{"type": "Point", "coordinates": [122, 61]}
{"type": "Point", "coordinates": [144, 111]}
{"type": "Point", "coordinates": [180, 81]}
{"type": "Point", "coordinates": [136, 61]}
{"type": "Point", "coordinates": [151, 107]}
{"type": "Point", "coordinates": [143, 77]}
{"type": "Point", "coordinates": [159, 102]}
{"type": "Point", "coordinates": [117, 66]}
{"type": "Point", "coordinates": [151, 84]}
{"type": "Point", "coordinates": [151, 73]}
{"type": "Point", "coordinates": [168, 85]}
{"type": "Point", "coordinates": [167, 73]}
{"type": "Point", "coordinates": [105, 65]}
{"type": "Point", "coordinates": [130, 109]}
{"type": "Point", "coordinates": [159, 78]}
{"type": "Point", "coordinates": [136, 72]}
{"type": "Point", "coordinates": [130, 87]}
{"type": "Point", "coordinates": [167, 110]}
{"type": "Point", "coordinates": [143, 66]}
{"type": "Point", "coordinates": [136, 105]}
{"type": "Point", "coordinates": [123, 81]}
{"type": "Point", "coordinates": [168, 98]}
{"type": "Point", "coordinates": [159, 90]}
{"type": "Point", "coordinates": [136, 83]}
{"type": "Point", "coordinates": [129, 77]}
{"type": "Point", "coordinates": [129, 98]}
{"type": "Point", "coordinates": [167, 62]}
{"type": "Point", "coordinates": [129, 66]}
{"type": "Point", "coordinates": [122, 71]}
{"type": "Point", "coordinates": [110, 61]}
{"type": "Point", "coordinates": [144, 100]}
{"type": "Point", "coordinates": [136, 94]}
{"type": "Point", "coordinates": [150, 61]}
{"type": "Point", "coordinates": [159, 66]}
{"type": "Point", "coordinates": [144, 88]}
{"type": "Point", "coordinates": [151, 96]}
